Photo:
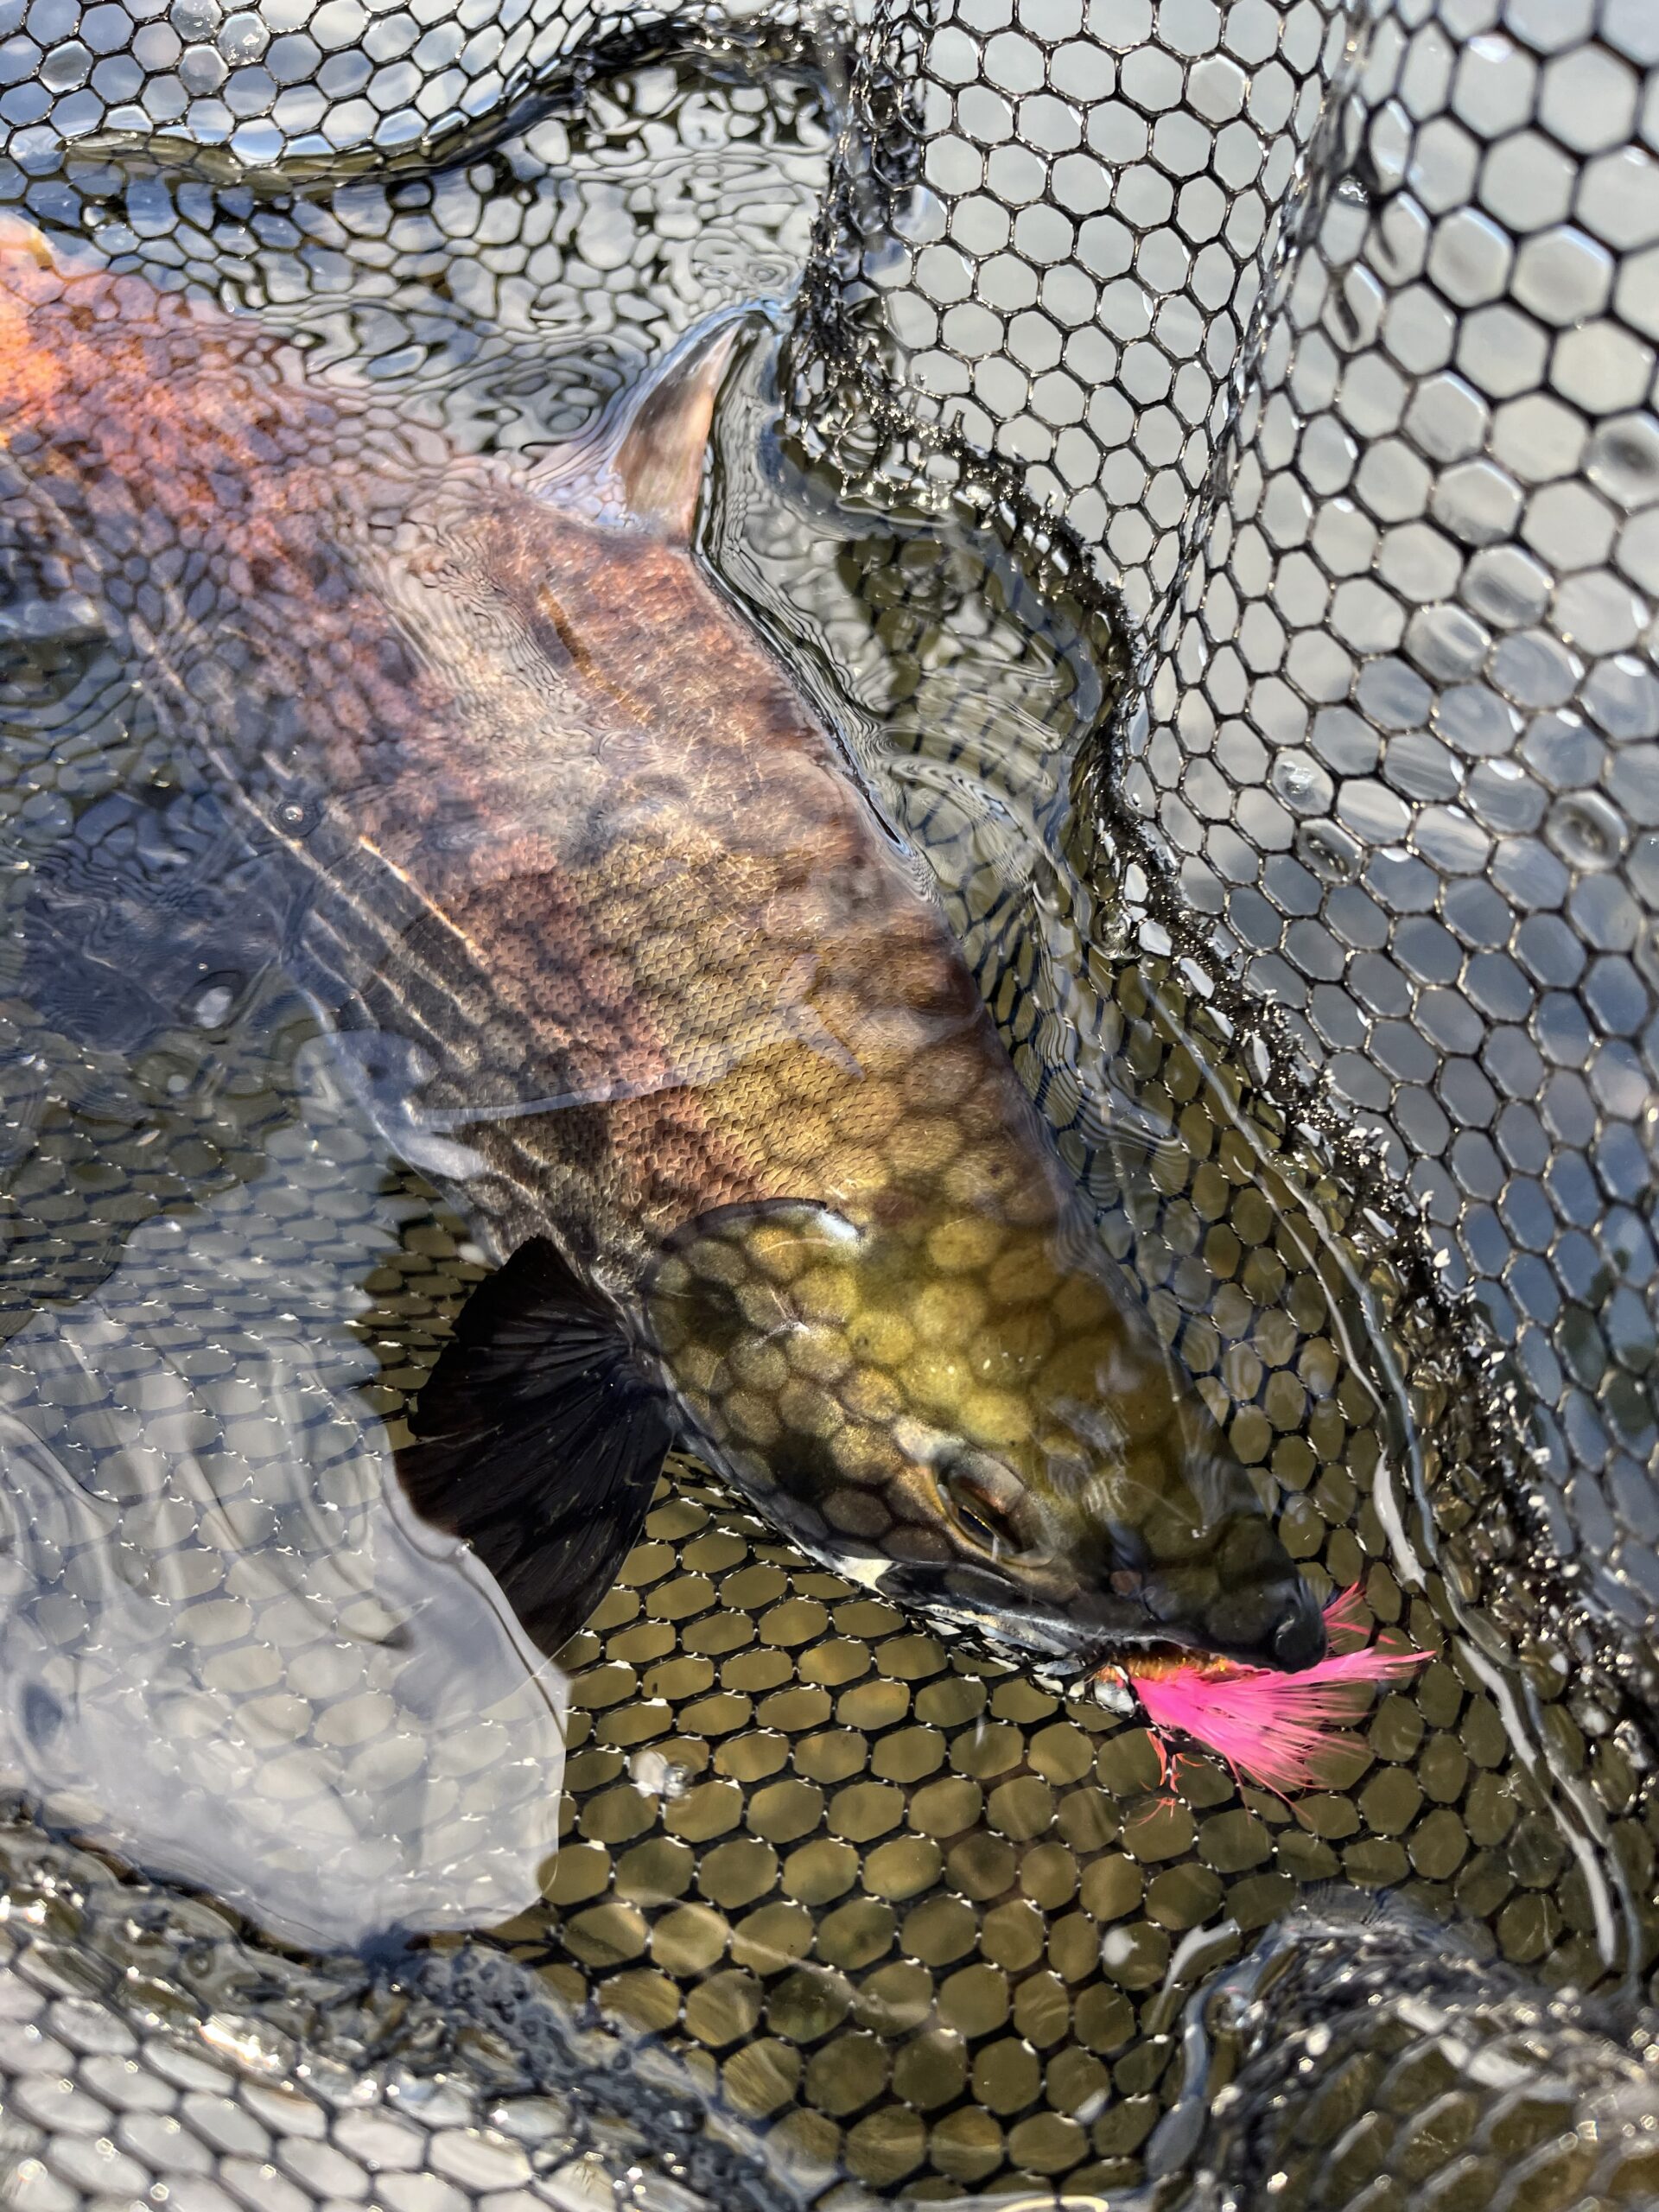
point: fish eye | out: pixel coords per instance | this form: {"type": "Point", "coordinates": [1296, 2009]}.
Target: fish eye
{"type": "Point", "coordinates": [983, 1522]}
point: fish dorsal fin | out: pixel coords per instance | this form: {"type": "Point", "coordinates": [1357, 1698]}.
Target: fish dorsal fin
{"type": "Point", "coordinates": [641, 466]}
{"type": "Point", "coordinates": [539, 1436]}
{"type": "Point", "coordinates": [659, 458]}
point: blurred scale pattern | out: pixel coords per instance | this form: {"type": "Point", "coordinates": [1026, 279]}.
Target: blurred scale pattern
{"type": "Point", "coordinates": [1326, 816]}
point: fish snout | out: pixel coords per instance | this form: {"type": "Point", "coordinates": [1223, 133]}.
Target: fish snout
{"type": "Point", "coordinates": [1238, 1596]}
{"type": "Point", "coordinates": [1300, 1640]}
{"type": "Point", "coordinates": [1273, 1621]}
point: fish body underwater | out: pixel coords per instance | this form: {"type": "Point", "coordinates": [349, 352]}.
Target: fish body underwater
{"type": "Point", "coordinates": [615, 945]}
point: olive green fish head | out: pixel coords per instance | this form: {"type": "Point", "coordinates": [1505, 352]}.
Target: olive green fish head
{"type": "Point", "coordinates": [955, 1409]}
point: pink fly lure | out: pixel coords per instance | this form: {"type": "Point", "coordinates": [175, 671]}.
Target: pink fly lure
{"type": "Point", "coordinates": [1284, 1731]}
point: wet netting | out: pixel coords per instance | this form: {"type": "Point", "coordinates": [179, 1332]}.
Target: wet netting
{"type": "Point", "coordinates": [1203, 460]}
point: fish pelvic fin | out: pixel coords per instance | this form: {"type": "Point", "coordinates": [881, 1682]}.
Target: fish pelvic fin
{"type": "Point", "coordinates": [538, 1437]}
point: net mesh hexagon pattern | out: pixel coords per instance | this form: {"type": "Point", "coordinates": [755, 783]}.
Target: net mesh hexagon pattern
{"type": "Point", "coordinates": [1215, 468]}
{"type": "Point", "coordinates": [1332, 334]}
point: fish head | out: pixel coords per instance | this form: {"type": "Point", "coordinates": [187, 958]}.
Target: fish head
{"type": "Point", "coordinates": [956, 1409]}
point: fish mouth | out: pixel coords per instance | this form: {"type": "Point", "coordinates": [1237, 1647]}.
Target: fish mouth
{"type": "Point", "coordinates": [1279, 1628]}
{"type": "Point", "coordinates": [1056, 1643]}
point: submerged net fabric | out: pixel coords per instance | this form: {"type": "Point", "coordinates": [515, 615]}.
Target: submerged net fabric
{"type": "Point", "coordinates": [1326, 338]}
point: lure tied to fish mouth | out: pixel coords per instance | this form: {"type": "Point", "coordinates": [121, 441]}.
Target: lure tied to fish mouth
{"type": "Point", "coordinates": [612, 942]}
{"type": "Point", "coordinates": [1285, 1736]}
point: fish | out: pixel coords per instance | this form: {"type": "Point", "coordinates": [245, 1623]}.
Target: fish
{"type": "Point", "coordinates": [611, 941]}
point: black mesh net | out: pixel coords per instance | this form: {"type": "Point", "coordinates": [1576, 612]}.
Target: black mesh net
{"type": "Point", "coordinates": [1330, 337]}
{"type": "Point", "coordinates": [1204, 460]}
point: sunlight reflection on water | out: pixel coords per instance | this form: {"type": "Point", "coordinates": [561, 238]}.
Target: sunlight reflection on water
{"type": "Point", "coordinates": [227, 1648]}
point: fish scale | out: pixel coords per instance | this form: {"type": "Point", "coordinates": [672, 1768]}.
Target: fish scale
{"type": "Point", "coordinates": [1151, 1058]}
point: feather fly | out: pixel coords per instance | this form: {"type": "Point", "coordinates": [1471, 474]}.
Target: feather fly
{"type": "Point", "coordinates": [1284, 1732]}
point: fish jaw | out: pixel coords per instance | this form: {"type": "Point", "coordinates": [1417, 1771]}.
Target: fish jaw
{"type": "Point", "coordinates": [815, 1362]}
{"type": "Point", "coordinates": [1273, 1625]}
{"type": "Point", "coordinates": [1244, 1601]}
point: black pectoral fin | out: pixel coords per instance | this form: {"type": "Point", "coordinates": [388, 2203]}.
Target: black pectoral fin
{"type": "Point", "coordinates": [539, 1437]}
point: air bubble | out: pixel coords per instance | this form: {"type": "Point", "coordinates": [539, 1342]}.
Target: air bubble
{"type": "Point", "coordinates": [1329, 851]}
{"type": "Point", "coordinates": [1586, 831]}
{"type": "Point", "coordinates": [195, 20]}
{"type": "Point", "coordinates": [243, 38]}
{"type": "Point", "coordinates": [1112, 933]}
{"type": "Point", "coordinates": [653, 1775]}
{"type": "Point", "coordinates": [1301, 783]}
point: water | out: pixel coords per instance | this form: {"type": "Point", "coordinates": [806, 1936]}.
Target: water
{"type": "Point", "coordinates": [929, 1921]}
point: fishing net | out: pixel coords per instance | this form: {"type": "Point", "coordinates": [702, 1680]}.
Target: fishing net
{"type": "Point", "coordinates": [1331, 337]}
{"type": "Point", "coordinates": [1205, 459]}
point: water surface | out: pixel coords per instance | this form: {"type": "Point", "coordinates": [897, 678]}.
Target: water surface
{"type": "Point", "coordinates": [930, 1922]}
